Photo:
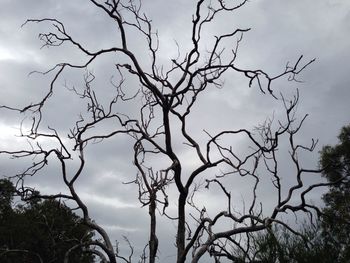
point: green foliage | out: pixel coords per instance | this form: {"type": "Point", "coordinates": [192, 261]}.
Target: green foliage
{"type": "Point", "coordinates": [7, 191]}
{"type": "Point", "coordinates": [278, 245]}
{"type": "Point", "coordinates": [335, 160]}
{"type": "Point", "coordinates": [45, 228]}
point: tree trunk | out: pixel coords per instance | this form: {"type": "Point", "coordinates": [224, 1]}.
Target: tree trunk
{"type": "Point", "coordinates": [153, 240]}
{"type": "Point", "coordinates": [181, 229]}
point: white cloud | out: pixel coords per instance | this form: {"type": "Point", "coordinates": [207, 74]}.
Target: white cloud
{"type": "Point", "coordinates": [97, 199]}
{"type": "Point", "coordinates": [6, 54]}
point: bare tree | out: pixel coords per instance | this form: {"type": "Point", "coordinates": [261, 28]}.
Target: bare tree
{"type": "Point", "coordinates": [168, 98]}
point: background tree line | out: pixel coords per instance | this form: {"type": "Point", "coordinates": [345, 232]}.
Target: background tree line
{"type": "Point", "coordinates": [39, 230]}
{"type": "Point", "coordinates": [44, 231]}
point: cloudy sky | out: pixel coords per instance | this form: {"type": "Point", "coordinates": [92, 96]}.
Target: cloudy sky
{"type": "Point", "coordinates": [280, 32]}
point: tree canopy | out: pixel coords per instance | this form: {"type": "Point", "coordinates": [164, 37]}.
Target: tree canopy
{"type": "Point", "coordinates": [39, 230]}
{"type": "Point", "coordinates": [335, 161]}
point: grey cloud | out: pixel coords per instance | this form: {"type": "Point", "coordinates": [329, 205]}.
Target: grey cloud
{"type": "Point", "coordinates": [281, 32]}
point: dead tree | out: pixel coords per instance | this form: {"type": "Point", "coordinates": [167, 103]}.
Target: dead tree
{"type": "Point", "coordinates": [168, 97]}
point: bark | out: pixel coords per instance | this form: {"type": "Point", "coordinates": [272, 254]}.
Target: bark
{"type": "Point", "coordinates": [181, 229]}
{"type": "Point", "coordinates": [153, 240]}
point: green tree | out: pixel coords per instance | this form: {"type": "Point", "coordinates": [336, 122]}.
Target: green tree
{"type": "Point", "coordinates": [41, 231]}
{"type": "Point", "coordinates": [335, 160]}
{"type": "Point", "coordinates": [280, 245]}
{"type": "Point", "coordinates": [7, 191]}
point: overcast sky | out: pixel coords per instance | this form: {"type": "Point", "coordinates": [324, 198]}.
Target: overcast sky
{"type": "Point", "coordinates": [281, 31]}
